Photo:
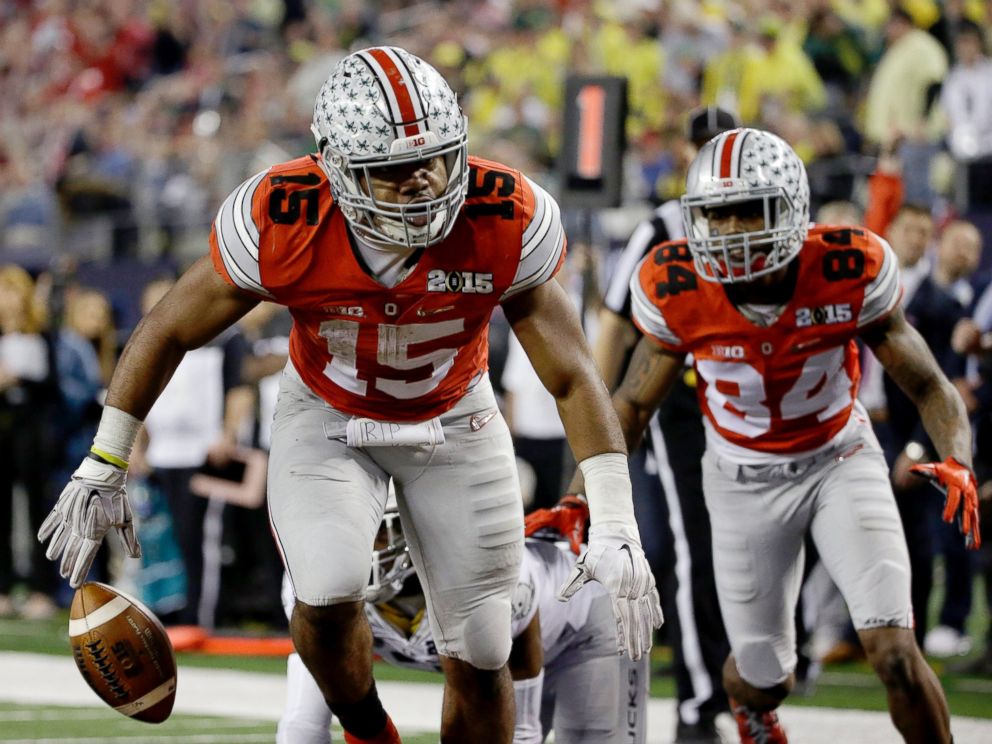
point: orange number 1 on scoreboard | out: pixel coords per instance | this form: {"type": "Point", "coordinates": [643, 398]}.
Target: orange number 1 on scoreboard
{"type": "Point", "coordinates": [592, 109]}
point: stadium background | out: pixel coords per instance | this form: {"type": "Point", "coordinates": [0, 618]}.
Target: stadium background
{"type": "Point", "coordinates": [124, 124]}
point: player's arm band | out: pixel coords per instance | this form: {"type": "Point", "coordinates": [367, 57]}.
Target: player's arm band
{"type": "Point", "coordinates": [608, 488]}
{"type": "Point", "coordinates": [527, 694]}
{"type": "Point", "coordinates": [115, 437]}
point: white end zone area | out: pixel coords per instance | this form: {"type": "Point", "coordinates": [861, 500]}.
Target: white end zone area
{"type": "Point", "coordinates": [415, 707]}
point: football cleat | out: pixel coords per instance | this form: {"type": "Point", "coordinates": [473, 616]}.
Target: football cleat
{"type": "Point", "coordinates": [756, 727]}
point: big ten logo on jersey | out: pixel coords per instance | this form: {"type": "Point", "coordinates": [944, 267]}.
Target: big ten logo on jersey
{"type": "Point", "coordinates": [678, 278]}
{"type": "Point", "coordinates": [728, 351]}
{"type": "Point", "coordinates": [467, 282]}
{"type": "Point", "coordinates": [354, 311]}
{"type": "Point", "coordinates": [823, 315]}
{"type": "Point", "coordinates": [502, 183]}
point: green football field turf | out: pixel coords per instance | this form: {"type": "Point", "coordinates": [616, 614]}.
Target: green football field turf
{"type": "Point", "coordinates": [34, 723]}
{"type": "Point", "coordinates": [842, 686]}
{"type": "Point", "coordinates": [39, 724]}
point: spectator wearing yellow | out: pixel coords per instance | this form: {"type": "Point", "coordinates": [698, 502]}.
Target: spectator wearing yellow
{"type": "Point", "coordinates": [914, 62]}
{"type": "Point", "coordinates": [900, 96]}
{"type": "Point", "coordinates": [531, 66]}
{"type": "Point", "coordinates": [626, 51]}
{"type": "Point", "coordinates": [724, 73]}
{"type": "Point", "coordinates": [869, 15]}
{"type": "Point", "coordinates": [780, 78]}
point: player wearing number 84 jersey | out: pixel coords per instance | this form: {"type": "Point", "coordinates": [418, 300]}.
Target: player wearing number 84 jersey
{"type": "Point", "coordinates": [788, 387]}
{"type": "Point", "coordinates": [770, 309]}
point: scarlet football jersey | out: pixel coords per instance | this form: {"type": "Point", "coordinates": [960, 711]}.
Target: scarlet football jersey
{"type": "Point", "coordinates": [402, 353]}
{"type": "Point", "coordinates": [789, 387]}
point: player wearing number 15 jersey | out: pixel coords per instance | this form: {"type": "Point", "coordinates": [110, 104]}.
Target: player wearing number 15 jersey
{"type": "Point", "coordinates": [391, 248]}
{"type": "Point", "coordinates": [770, 309]}
{"type": "Point", "coordinates": [415, 343]}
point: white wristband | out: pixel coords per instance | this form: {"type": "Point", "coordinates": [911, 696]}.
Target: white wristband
{"type": "Point", "coordinates": [116, 434]}
{"type": "Point", "coordinates": [527, 693]}
{"type": "Point", "coordinates": [608, 489]}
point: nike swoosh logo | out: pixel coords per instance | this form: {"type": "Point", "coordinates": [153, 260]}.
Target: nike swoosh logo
{"type": "Point", "coordinates": [479, 420]}
{"type": "Point", "coordinates": [630, 555]}
{"type": "Point", "coordinates": [421, 313]}
{"type": "Point", "coordinates": [849, 453]}
{"type": "Point", "coordinates": [805, 344]}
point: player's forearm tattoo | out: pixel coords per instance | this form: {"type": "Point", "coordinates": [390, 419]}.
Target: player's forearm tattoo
{"type": "Point", "coordinates": [641, 375]}
{"type": "Point", "coordinates": [644, 385]}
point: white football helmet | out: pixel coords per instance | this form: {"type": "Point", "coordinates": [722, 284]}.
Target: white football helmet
{"type": "Point", "coordinates": [763, 174]}
{"type": "Point", "coordinates": [384, 107]}
{"type": "Point", "coordinates": [391, 563]}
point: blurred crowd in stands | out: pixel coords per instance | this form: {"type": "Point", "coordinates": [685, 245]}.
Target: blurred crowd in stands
{"type": "Point", "coordinates": [125, 123]}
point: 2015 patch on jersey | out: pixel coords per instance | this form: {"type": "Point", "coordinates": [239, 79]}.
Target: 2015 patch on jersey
{"type": "Point", "coordinates": [823, 315]}
{"type": "Point", "coordinates": [469, 282]}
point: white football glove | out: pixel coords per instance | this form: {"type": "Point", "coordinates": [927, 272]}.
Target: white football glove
{"type": "Point", "coordinates": [615, 559]}
{"type": "Point", "coordinates": [94, 501]}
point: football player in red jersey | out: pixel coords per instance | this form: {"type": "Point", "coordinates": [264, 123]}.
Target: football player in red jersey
{"type": "Point", "coordinates": [391, 247]}
{"type": "Point", "coordinates": [769, 307]}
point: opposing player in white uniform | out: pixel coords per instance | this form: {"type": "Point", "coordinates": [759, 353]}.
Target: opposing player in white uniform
{"type": "Point", "coordinates": [769, 307]}
{"type": "Point", "coordinates": [567, 676]}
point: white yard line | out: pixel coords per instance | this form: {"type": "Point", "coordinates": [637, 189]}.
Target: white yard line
{"type": "Point", "coordinates": [414, 706]}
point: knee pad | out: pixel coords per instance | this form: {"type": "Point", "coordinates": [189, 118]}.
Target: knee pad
{"type": "Point", "coordinates": [765, 663]}
{"type": "Point", "coordinates": [486, 634]}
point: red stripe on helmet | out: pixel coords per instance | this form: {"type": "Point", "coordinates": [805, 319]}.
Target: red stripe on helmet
{"type": "Point", "coordinates": [727, 154]}
{"type": "Point", "coordinates": [400, 90]}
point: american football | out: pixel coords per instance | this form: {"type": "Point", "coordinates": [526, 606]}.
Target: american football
{"type": "Point", "coordinates": [123, 652]}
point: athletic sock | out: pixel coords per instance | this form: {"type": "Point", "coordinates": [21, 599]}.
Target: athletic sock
{"type": "Point", "coordinates": [389, 735]}
{"type": "Point", "coordinates": [365, 719]}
